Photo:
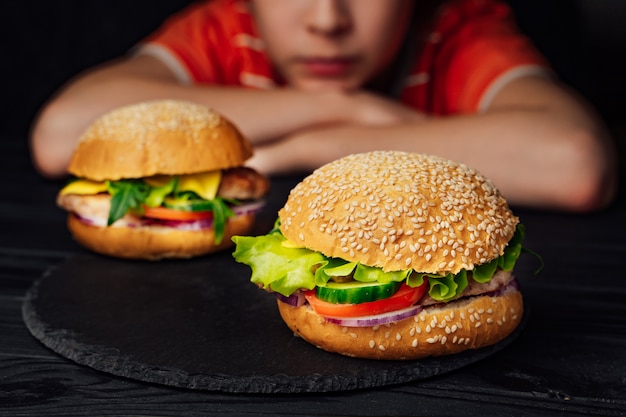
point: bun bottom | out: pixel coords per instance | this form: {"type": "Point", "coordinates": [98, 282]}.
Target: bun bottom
{"type": "Point", "coordinates": [438, 330]}
{"type": "Point", "coordinates": [155, 242]}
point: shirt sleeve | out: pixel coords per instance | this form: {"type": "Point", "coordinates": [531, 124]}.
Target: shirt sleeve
{"type": "Point", "coordinates": [211, 42]}
{"type": "Point", "coordinates": [474, 50]}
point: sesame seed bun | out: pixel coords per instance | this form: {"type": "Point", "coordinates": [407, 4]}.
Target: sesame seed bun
{"type": "Point", "coordinates": [397, 210]}
{"type": "Point", "coordinates": [158, 137]}
{"type": "Point", "coordinates": [155, 242]}
{"type": "Point", "coordinates": [444, 329]}
{"type": "Point", "coordinates": [165, 137]}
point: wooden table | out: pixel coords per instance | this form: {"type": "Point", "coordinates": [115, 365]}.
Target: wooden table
{"type": "Point", "coordinates": [569, 360]}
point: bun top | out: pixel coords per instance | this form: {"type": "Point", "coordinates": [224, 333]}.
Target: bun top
{"type": "Point", "coordinates": [158, 137]}
{"type": "Point", "coordinates": [399, 210]}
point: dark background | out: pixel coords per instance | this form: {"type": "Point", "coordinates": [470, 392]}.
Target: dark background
{"type": "Point", "coordinates": [45, 43]}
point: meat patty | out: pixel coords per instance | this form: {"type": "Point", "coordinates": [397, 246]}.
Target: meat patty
{"type": "Point", "coordinates": [91, 206]}
{"type": "Point", "coordinates": [243, 183]}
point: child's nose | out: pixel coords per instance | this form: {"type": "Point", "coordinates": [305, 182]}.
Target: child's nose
{"type": "Point", "coordinates": [329, 17]}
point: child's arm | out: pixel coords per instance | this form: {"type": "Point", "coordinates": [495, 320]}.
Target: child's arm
{"type": "Point", "coordinates": [538, 142]}
{"type": "Point", "coordinates": [261, 115]}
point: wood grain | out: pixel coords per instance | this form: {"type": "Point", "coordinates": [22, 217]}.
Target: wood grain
{"type": "Point", "coordinates": [569, 361]}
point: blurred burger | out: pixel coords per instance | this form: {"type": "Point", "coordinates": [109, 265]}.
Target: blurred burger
{"type": "Point", "coordinates": [161, 179]}
{"type": "Point", "coordinates": [392, 255]}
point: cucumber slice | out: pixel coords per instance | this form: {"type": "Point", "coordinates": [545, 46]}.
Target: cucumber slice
{"type": "Point", "coordinates": [355, 292]}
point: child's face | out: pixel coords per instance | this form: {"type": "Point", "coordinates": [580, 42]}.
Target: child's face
{"type": "Point", "coordinates": [331, 44]}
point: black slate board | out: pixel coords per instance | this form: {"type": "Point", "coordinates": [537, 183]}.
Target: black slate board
{"type": "Point", "coordinates": [197, 324]}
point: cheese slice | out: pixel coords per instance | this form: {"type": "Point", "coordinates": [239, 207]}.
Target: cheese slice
{"type": "Point", "coordinates": [84, 187]}
{"type": "Point", "coordinates": [204, 184]}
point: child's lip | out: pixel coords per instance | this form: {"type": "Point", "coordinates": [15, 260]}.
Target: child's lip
{"type": "Point", "coordinates": [327, 67]}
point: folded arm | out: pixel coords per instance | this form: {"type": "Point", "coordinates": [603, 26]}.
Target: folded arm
{"type": "Point", "coordinates": [537, 142]}
{"type": "Point", "coordinates": [261, 115]}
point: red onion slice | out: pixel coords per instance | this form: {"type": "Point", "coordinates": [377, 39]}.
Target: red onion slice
{"type": "Point", "coordinates": [377, 320]}
{"type": "Point", "coordinates": [295, 300]}
{"type": "Point", "coordinates": [250, 207]}
{"type": "Point", "coordinates": [193, 225]}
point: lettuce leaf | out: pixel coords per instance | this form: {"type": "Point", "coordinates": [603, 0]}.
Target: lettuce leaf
{"type": "Point", "coordinates": [366, 273]}
{"type": "Point", "coordinates": [275, 266]}
{"type": "Point", "coordinates": [335, 267]}
{"type": "Point", "coordinates": [279, 266]}
{"type": "Point", "coordinates": [448, 287]}
{"type": "Point", "coordinates": [513, 249]}
{"type": "Point", "coordinates": [157, 194]}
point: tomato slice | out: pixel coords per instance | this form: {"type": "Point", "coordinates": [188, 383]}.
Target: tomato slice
{"type": "Point", "coordinates": [165, 213]}
{"type": "Point", "coordinates": [405, 297]}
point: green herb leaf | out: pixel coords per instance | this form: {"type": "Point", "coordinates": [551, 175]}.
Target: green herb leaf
{"type": "Point", "coordinates": [125, 195]}
{"type": "Point", "coordinates": [221, 213]}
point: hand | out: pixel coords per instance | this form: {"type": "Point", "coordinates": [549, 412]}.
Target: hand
{"type": "Point", "coordinates": [306, 149]}
{"type": "Point", "coordinates": [368, 109]}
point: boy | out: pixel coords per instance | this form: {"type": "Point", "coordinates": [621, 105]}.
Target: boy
{"type": "Point", "coordinates": [308, 81]}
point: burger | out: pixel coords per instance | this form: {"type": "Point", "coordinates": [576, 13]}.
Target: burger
{"type": "Point", "coordinates": [392, 255]}
{"type": "Point", "coordinates": [161, 179]}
